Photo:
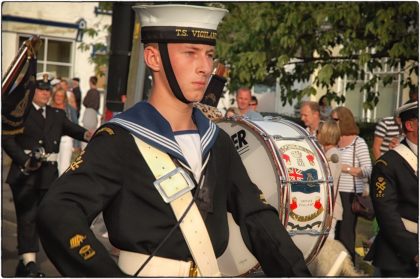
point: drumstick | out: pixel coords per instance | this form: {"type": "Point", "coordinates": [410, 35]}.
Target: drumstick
{"type": "Point", "coordinates": [338, 264]}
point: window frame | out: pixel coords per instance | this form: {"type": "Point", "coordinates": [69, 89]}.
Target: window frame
{"type": "Point", "coordinates": [45, 62]}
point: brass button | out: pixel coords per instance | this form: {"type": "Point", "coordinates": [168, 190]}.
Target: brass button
{"type": "Point", "coordinates": [193, 270]}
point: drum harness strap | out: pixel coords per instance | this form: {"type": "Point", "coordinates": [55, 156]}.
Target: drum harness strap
{"type": "Point", "coordinates": [411, 159]}
{"type": "Point", "coordinates": [175, 185]}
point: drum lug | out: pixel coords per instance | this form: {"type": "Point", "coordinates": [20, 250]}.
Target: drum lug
{"type": "Point", "coordinates": [283, 181]}
{"type": "Point", "coordinates": [264, 136]}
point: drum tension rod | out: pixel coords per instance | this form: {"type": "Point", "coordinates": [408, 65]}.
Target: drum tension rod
{"type": "Point", "coordinates": [278, 137]}
{"type": "Point", "coordinates": [305, 181]}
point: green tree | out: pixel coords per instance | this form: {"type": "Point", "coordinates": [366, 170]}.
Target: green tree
{"type": "Point", "coordinates": [100, 50]}
{"type": "Point", "coordinates": [259, 39]}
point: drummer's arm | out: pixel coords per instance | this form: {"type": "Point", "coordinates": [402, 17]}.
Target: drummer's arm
{"type": "Point", "coordinates": [67, 210]}
{"type": "Point", "coordinates": [385, 193]}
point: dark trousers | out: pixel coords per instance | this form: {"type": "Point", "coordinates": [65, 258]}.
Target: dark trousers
{"type": "Point", "coordinates": [409, 272]}
{"type": "Point", "coordinates": [346, 228]}
{"type": "Point", "coordinates": [26, 197]}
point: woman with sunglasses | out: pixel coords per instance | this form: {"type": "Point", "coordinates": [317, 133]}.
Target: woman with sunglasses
{"type": "Point", "coordinates": [356, 166]}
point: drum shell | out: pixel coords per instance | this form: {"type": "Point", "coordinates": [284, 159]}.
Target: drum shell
{"type": "Point", "coordinates": [291, 170]}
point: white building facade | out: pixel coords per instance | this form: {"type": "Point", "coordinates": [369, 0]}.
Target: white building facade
{"type": "Point", "coordinates": [60, 25]}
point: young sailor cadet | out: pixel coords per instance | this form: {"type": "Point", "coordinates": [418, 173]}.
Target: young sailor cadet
{"type": "Point", "coordinates": [394, 189]}
{"type": "Point", "coordinates": [163, 174]}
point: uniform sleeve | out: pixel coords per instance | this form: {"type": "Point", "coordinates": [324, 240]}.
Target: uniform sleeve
{"type": "Point", "coordinates": [73, 130]}
{"type": "Point", "coordinates": [13, 150]}
{"type": "Point", "coordinates": [74, 200]}
{"type": "Point", "coordinates": [384, 194]}
{"type": "Point", "coordinates": [260, 225]}
{"type": "Point", "coordinates": [363, 156]}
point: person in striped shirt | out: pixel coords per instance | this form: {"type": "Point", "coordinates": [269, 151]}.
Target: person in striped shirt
{"type": "Point", "coordinates": [356, 165]}
{"type": "Point", "coordinates": [387, 135]}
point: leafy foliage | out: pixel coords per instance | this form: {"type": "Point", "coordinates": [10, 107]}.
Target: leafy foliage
{"type": "Point", "coordinates": [262, 41]}
{"type": "Point", "coordinates": [99, 50]}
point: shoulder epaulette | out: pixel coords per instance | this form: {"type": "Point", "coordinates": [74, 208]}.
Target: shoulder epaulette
{"type": "Point", "coordinates": [381, 161]}
{"type": "Point", "coordinates": [106, 130]}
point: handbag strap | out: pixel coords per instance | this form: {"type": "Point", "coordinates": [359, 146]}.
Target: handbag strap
{"type": "Point", "coordinates": [338, 186]}
{"type": "Point", "coordinates": [354, 159]}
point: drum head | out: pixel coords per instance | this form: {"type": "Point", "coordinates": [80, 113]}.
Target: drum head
{"type": "Point", "coordinates": [257, 156]}
{"type": "Point", "coordinates": [287, 166]}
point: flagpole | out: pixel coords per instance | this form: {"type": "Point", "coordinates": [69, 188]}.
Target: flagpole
{"type": "Point", "coordinates": [26, 51]}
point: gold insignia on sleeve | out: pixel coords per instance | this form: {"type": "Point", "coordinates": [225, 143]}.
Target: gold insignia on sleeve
{"type": "Point", "coordinates": [107, 130]}
{"type": "Point", "coordinates": [380, 187]}
{"type": "Point", "coordinates": [76, 240]}
{"type": "Point", "coordinates": [87, 252]}
{"type": "Point", "coordinates": [262, 198]}
{"type": "Point", "coordinates": [77, 162]}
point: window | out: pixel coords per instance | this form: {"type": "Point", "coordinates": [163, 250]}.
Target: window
{"type": "Point", "coordinates": [389, 95]}
{"type": "Point", "coordinates": [54, 56]}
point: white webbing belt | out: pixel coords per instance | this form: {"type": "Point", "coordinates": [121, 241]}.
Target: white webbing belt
{"type": "Point", "coordinates": [175, 190]}
{"type": "Point", "coordinates": [130, 262]}
{"type": "Point", "coordinates": [51, 157]}
{"type": "Point", "coordinates": [408, 155]}
{"type": "Point", "coordinates": [410, 225]}
{"type": "Point", "coordinates": [411, 159]}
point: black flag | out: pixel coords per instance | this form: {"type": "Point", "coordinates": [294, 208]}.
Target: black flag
{"type": "Point", "coordinates": [15, 103]}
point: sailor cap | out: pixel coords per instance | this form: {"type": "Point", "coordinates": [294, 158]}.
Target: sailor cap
{"type": "Point", "coordinates": [408, 111]}
{"type": "Point", "coordinates": [44, 75]}
{"type": "Point", "coordinates": [179, 23]}
{"type": "Point", "coordinates": [43, 80]}
{"type": "Point", "coordinates": [55, 81]}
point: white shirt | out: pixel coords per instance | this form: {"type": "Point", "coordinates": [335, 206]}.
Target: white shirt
{"type": "Point", "coordinates": [38, 107]}
{"type": "Point", "coordinates": [412, 146]}
{"type": "Point", "coordinates": [362, 160]}
{"type": "Point", "coordinates": [189, 142]}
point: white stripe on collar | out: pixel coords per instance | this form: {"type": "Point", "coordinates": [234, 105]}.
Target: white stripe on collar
{"type": "Point", "coordinates": [152, 136]}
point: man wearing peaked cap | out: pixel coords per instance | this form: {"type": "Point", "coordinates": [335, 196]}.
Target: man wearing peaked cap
{"type": "Point", "coordinates": [43, 81]}
{"type": "Point", "coordinates": [163, 174]}
{"type": "Point", "coordinates": [34, 167]}
{"type": "Point", "coordinates": [394, 191]}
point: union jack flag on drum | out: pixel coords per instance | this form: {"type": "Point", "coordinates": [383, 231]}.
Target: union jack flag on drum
{"type": "Point", "coordinates": [300, 180]}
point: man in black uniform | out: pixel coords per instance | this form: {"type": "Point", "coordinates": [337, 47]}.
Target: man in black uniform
{"type": "Point", "coordinates": [394, 190]}
{"type": "Point", "coordinates": [34, 168]}
{"type": "Point", "coordinates": [116, 176]}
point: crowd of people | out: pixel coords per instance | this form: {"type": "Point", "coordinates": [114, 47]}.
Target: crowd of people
{"type": "Point", "coordinates": [246, 105]}
{"type": "Point", "coordinates": [165, 177]}
{"type": "Point", "coordinates": [353, 175]}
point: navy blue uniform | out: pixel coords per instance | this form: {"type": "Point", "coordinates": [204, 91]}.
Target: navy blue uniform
{"type": "Point", "coordinates": [28, 189]}
{"type": "Point", "coordinates": [394, 190]}
{"type": "Point", "coordinates": [112, 176]}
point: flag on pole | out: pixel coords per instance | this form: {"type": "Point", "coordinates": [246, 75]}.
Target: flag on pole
{"type": "Point", "coordinates": [15, 103]}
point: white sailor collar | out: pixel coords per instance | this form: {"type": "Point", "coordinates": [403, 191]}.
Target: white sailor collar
{"type": "Point", "coordinates": [146, 123]}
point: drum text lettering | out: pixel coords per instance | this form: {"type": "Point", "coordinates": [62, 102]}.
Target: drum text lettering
{"type": "Point", "coordinates": [239, 139]}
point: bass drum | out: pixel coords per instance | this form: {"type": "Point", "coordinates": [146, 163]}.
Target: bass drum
{"type": "Point", "coordinates": [291, 170]}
